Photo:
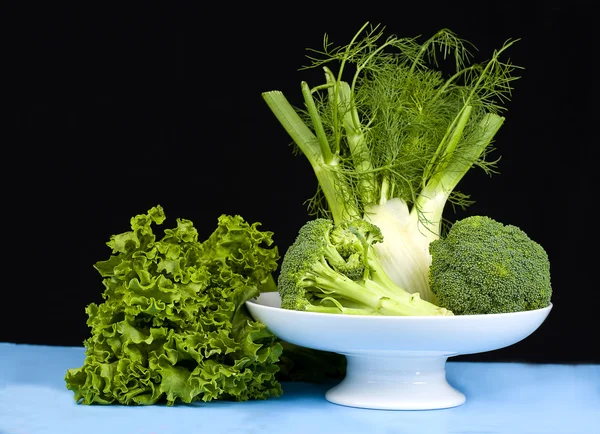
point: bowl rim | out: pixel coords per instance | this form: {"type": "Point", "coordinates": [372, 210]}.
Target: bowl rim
{"type": "Point", "coordinates": [474, 317]}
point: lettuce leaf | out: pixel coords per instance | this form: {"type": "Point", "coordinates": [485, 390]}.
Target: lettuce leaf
{"type": "Point", "coordinates": [173, 325]}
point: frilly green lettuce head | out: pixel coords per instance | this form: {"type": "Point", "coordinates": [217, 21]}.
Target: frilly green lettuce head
{"type": "Point", "coordinates": [173, 326]}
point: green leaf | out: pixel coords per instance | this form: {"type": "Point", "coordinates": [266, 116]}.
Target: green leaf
{"type": "Point", "coordinates": [173, 326]}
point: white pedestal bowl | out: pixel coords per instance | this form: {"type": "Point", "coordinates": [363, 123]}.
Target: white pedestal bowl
{"type": "Point", "coordinates": [395, 362]}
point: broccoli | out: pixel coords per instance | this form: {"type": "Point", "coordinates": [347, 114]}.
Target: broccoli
{"type": "Point", "coordinates": [482, 266]}
{"type": "Point", "coordinates": [333, 269]}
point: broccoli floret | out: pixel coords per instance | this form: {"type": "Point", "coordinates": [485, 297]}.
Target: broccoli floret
{"type": "Point", "coordinates": [334, 269]}
{"type": "Point", "coordinates": [355, 236]}
{"type": "Point", "coordinates": [483, 266]}
{"type": "Point", "coordinates": [352, 240]}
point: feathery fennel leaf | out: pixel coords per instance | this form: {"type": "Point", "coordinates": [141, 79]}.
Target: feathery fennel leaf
{"type": "Point", "coordinates": [387, 121]}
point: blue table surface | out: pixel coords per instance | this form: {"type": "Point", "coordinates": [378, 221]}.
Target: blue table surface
{"type": "Point", "coordinates": [501, 398]}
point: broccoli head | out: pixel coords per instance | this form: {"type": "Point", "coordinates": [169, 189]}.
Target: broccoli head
{"type": "Point", "coordinates": [334, 269]}
{"type": "Point", "coordinates": [483, 266]}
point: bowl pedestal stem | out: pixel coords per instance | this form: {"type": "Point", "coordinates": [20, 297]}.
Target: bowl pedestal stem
{"type": "Point", "coordinates": [392, 380]}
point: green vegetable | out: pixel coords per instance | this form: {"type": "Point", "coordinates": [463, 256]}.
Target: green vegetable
{"type": "Point", "coordinates": [334, 269]}
{"type": "Point", "coordinates": [483, 266]}
{"type": "Point", "coordinates": [389, 136]}
{"type": "Point", "coordinates": [173, 325]}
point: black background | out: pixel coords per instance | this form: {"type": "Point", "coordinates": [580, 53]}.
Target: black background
{"type": "Point", "coordinates": [119, 110]}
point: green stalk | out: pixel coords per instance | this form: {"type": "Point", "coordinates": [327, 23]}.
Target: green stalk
{"type": "Point", "coordinates": [448, 145]}
{"type": "Point", "coordinates": [355, 138]}
{"type": "Point", "coordinates": [308, 143]}
{"type": "Point", "coordinates": [433, 197]}
{"type": "Point", "coordinates": [294, 125]}
{"type": "Point", "coordinates": [338, 309]}
{"type": "Point", "coordinates": [317, 124]}
{"type": "Point", "coordinates": [374, 295]}
{"type": "Point", "coordinates": [331, 78]}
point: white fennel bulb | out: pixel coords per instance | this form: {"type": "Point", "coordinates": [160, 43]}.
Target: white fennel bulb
{"type": "Point", "coordinates": [404, 252]}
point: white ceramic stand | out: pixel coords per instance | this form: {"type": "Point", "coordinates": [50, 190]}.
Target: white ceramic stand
{"type": "Point", "coordinates": [395, 362]}
{"type": "Point", "coordinates": [395, 381]}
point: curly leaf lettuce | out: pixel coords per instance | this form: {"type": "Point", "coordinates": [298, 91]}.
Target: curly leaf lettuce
{"type": "Point", "coordinates": [173, 325]}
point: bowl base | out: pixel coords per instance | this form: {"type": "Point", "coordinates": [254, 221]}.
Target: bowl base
{"type": "Point", "coordinates": [395, 381]}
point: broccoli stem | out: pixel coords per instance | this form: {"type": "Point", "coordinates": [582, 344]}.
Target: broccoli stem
{"type": "Point", "coordinates": [340, 310]}
{"type": "Point", "coordinates": [378, 294]}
